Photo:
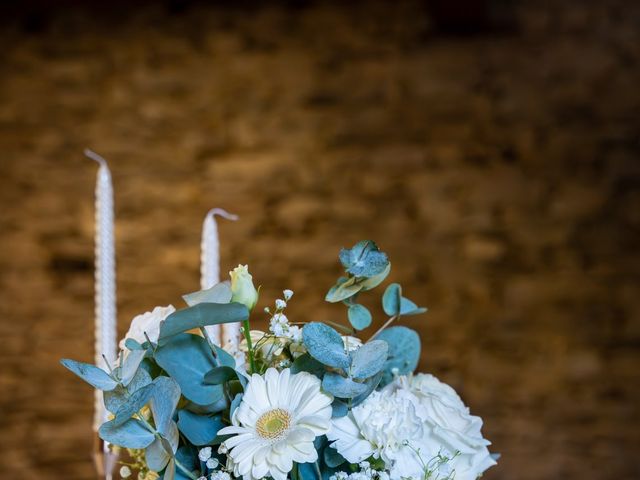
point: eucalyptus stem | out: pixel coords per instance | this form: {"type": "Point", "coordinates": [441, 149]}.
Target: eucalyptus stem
{"type": "Point", "coordinates": [386, 324]}
{"type": "Point", "coordinates": [211, 345]}
{"type": "Point", "coordinates": [318, 472]}
{"type": "Point", "coordinates": [247, 336]}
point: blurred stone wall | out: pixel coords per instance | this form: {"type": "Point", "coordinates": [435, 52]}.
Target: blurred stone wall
{"type": "Point", "coordinates": [499, 170]}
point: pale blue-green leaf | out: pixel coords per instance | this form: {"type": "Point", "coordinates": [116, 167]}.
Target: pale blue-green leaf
{"type": "Point", "coordinates": [225, 359]}
{"type": "Point", "coordinates": [364, 259]}
{"type": "Point", "coordinates": [187, 358]}
{"type": "Point", "coordinates": [407, 307]}
{"type": "Point", "coordinates": [91, 374]}
{"type": "Point", "coordinates": [325, 345]}
{"type": "Point", "coordinates": [131, 363]}
{"type": "Point", "coordinates": [340, 408]}
{"type": "Point", "coordinates": [373, 282]}
{"type": "Point", "coordinates": [161, 450]}
{"type": "Point", "coordinates": [164, 402]}
{"type": "Point", "coordinates": [170, 472]}
{"type": "Point", "coordinates": [307, 471]}
{"type": "Point", "coordinates": [332, 458]}
{"type": "Point", "coordinates": [306, 363]}
{"type": "Point", "coordinates": [199, 429]}
{"type": "Point", "coordinates": [343, 290]}
{"type": "Point", "coordinates": [187, 455]}
{"type": "Point", "coordinates": [369, 359]}
{"type": "Point", "coordinates": [371, 383]}
{"type": "Point", "coordinates": [117, 397]}
{"type": "Point", "coordinates": [342, 387]}
{"type": "Point", "coordinates": [220, 375]}
{"type": "Point", "coordinates": [132, 344]}
{"type": "Point", "coordinates": [134, 403]}
{"type": "Point", "coordinates": [201, 315]}
{"type": "Point", "coordinates": [219, 293]}
{"type": "Point", "coordinates": [391, 299]}
{"type": "Point", "coordinates": [235, 403]}
{"type": "Point", "coordinates": [404, 351]}
{"type": "Point", "coordinates": [131, 434]}
{"type": "Point", "coordinates": [359, 316]}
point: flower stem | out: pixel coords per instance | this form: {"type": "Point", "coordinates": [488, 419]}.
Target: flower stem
{"type": "Point", "coordinates": [184, 469]}
{"type": "Point", "coordinates": [247, 336]}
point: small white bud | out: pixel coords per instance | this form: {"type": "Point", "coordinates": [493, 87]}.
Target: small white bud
{"type": "Point", "coordinates": [125, 471]}
{"type": "Point", "coordinates": [280, 304]}
{"type": "Point", "coordinates": [212, 463]}
{"type": "Point", "coordinates": [287, 294]}
{"type": "Point", "coordinates": [204, 454]}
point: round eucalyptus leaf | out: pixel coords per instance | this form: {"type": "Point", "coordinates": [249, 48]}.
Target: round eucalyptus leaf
{"type": "Point", "coordinates": [359, 316]}
{"type": "Point", "coordinates": [325, 345]}
{"type": "Point", "coordinates": [404, 351]}
{"type": "Point", "coordinates": [391, 299]}
{"type": "Point", "coordinates": [342, 387]}
{"type": "Point", "coordinates": [369, 359]}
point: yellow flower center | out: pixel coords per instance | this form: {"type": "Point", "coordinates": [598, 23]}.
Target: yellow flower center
{"type": "Point", "coordinates": [272, 424]}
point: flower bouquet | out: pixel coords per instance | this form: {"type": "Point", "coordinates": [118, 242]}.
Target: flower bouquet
{"type": "Point", "coordinates": [300, 401]}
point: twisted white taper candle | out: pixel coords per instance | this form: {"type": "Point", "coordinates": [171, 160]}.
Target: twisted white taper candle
{"type": "Point", "coordinates": [105, 280]}
{"type": "Point", "coordinates": [210, 261]}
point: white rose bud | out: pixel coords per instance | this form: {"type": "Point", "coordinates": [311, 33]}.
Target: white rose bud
{"type": "Point", "coordinates": [242, 289]}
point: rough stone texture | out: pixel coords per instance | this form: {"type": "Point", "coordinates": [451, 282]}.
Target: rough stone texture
{"type": "Point", "coordinates": [499, 171]}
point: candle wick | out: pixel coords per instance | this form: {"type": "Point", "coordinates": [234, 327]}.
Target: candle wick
{"type": "Point", "coordinates": [94, 156]}
{"type": "Point", "coordinates": [222, 213]}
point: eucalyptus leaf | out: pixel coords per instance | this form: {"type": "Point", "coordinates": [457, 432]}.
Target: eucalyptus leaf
{"type": "Point", "coordinates": [369, 359]}
{"type": "Point", "coordinates": [131, 363]}
{"type": "Point", "coordinates": [373, 282]}
{"type": "Point", "coordinates": [200, 430]}
{"type": "Point", "coordinates": [404, 351]}
{"type": "Point", "coordinates": [91, 374]}
{"type": "Point", "coordinates": [306, 363]}
{"type": "Point", "coordinates": [332, 458]}
{"type": "Point", "coordinates": [130, 434]}
{"type": "Point", "coordinates": [342, 387]}
{"type": "Point", "coordinates": [170, 472]}
{"type": "Point", "coordinates": [391, 299]}
{"type": "Point", "coordinates": [340, 409]}
{"type": "Point", "coordinates": [187, 358]}
{"type": "Point", "coordinates": [134, 403]}
{"type": "Point", "coordinates": [359, 316]}
{"type": "Point", "coordinates": [371, 383]}
{"type": "Point", "coordinates": [344, 289]}
{"type": "Point", "coordinates": [162, 449]}
{"type": "Point", "coordinates": [224, 358]}
{"type": "Point", "coordinates": [364, 260]}
{"type": "Point", "coordinates": [325, 345]}
{"type": "Point", "coordinates": [132, 344]}
{"type": "Point", "coordinates": [220, 375]}
{"type": "Point", "coordinates": [117, 397]}
{"type": "Point", "coordinates": [307, 471]}
{"type": "Point", "coordinates": [219, 293]}
{"type": "Point", "coordinates": [235, 403]}
{"type": "Point", "coordinates": [201, 315]}
{"type": "Point", "coordinates": [166, 396]}
{"type": "Point", "coordinates": [407, 307]}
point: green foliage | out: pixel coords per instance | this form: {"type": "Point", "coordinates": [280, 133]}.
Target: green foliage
{"type": "Point", "coordinates": [306, 363]}
{"type": "Point", "coordinates": [94, 376]}
{"type": "Point", "coordinates": [199, 429]}
{"type": "Point", "coordinates": [187, 359]}
{"type": "Point", "coordinates": [391, 299]}
{"type": "Point", "coordinates": [220, 375]}
{"type": "Point", "coordinates": [404, 351]}
{"type": "Point", "coordinates": [369, 359]}
{"type": "Point", "coordinates": [130, 366]}
{"type": "Point", "coordinates": [325, 345]}
{"type": "Point", "coordinates": [131, 434]}
{"type": "Point", "coordinates": [364, 260]}
{"type": "Point", "coordinates": [342, 387]}
{"type": "Point", "coordinates": [201, 315]}
{"type": "Point", "coordinates": [359, 316]}
{"type": "Point", "coordinates": [114, 399]}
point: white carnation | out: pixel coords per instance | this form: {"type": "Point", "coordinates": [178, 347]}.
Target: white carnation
{"type": "Point", "coordinates": [149, 323]}
{"type": "Point", "coordinates": [410, 422]}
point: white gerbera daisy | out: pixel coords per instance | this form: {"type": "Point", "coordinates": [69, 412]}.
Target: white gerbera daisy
{"type": "Point", "coordinates": [276, 423]}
